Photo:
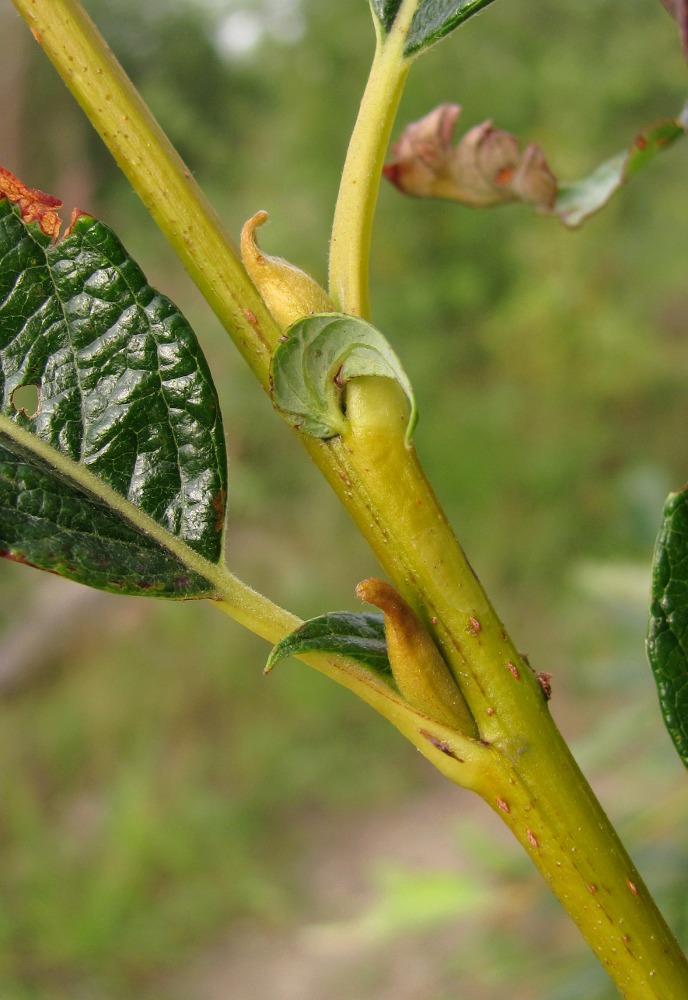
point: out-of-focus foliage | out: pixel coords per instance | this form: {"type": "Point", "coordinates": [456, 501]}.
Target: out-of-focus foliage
{"type": "Point", "coordinates": [155, 785]}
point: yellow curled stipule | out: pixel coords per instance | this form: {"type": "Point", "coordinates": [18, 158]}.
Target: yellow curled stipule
{"type": "Point", "coordinates": [287, 291]}
{"type": "Point", "coordinates": [421, 674]}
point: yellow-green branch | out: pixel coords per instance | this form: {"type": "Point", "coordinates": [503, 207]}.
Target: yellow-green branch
{"type": "Point", "coordinates": [158, 175]}
{"type": "Point", "coordinates": [522, 767]}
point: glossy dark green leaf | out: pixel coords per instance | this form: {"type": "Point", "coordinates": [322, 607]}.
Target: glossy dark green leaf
{"type": "Point", "coordinates": [50, 523]}
{"type": "Point", "coordinates": [358, 635]}
{"type": "Point", "coordinates": [578, 200]}
{"type": "Point", "coordinates": [120, 473]}
{"type": "Point", "coordinates": [312, 365]}
{"type": "Point", "coordinates": [667, 643]}
{"type": "Point", "coordinates": [432, 20]}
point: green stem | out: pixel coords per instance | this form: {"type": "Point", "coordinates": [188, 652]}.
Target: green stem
{"type": "Point", "coordinates": [533, 782]}
{"type": "Point", "coordinates": [165, 185]}
{"type": "Point", "coordinates": [546, 802]}
{"type": "Point", "coordinates": [360, 183]}
{"type": "Point", "coordinates": [156, 172]}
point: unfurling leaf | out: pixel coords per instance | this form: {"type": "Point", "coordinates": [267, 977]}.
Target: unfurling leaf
{"type": "Point", "coordinates": [115, 476]}
{"type": "Point", "coordinates": [318, 356]}
{"type": "Point", "coordinates": [667, 641]}
{"type": "Point", "coordinates": [486, 167]}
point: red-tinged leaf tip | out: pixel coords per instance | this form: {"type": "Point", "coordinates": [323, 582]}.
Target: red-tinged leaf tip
{"type": "Point", "coordinates": [77, 213]}
{"type": "Point", "coordinates": [391, 172]}
{"type": "Point", "coordinates": [34, 205]}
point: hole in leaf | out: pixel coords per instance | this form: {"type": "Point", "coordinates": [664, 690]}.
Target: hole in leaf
{"type": "Point", "coordinates": [26, 399]}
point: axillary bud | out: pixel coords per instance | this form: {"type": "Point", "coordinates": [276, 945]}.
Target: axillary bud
{"type": "Point", "coordinates": [421, 674]}
{"type": "Point", "coordinates": [287, 291]}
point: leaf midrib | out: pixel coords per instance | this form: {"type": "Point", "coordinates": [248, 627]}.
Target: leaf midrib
{"type": "Point", "coordinates": [87, 481]}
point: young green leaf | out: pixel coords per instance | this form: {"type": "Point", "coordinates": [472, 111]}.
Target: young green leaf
{"type": "Point", "coordinates": [319, 355]}
{"type": "Point", "coordinates": [116, 475]}
{"type": "Point", "coordinates": [358, 635]}
{"type": "Point", "coordinates": [578, 200]}
{"type": "Point", "coordinates": [432, 20]}
{"type": "Point", "coordinates": [667, 642]}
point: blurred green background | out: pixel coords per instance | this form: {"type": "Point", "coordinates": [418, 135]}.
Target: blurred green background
{"type": "Point", "coordinates": [172, 824]}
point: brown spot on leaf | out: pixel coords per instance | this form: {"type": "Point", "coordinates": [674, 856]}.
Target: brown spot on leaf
{"type": "Point", "coordinates": [219, 508]}
{"type": "Point", "coordinates": [501, 804]}
{"type": "Point", "coordinates": [14, 557]}
{"type": "Point", "coordinates": [34, 205]}
{"type": "Point", "coordinates": [532, 839]}
{"type": "Point", "coordinates": [514, 671]}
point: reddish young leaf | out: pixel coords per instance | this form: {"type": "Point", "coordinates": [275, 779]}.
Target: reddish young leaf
{"type": "Point", "coordinates": [486, 167]}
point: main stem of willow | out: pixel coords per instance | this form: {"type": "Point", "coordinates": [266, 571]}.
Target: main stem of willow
{"type": "Point", "coordinates": [534, 784]}
{"type": "Point", "coordinates": [525, 771]}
